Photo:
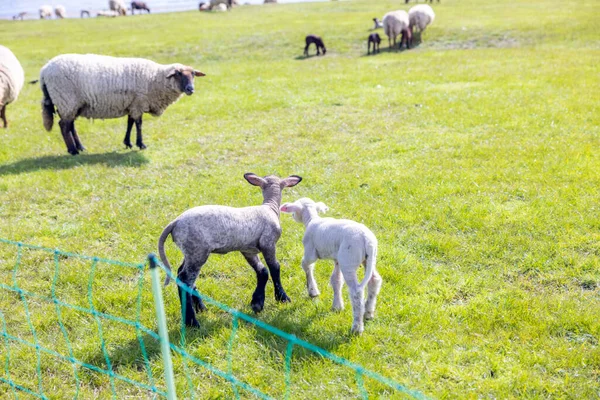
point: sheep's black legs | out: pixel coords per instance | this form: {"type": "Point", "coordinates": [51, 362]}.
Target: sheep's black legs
{"type": "Point", "coordinates": [138, 130]}
{"type": "Point", "coordinates": [3, 116]}
{"type": "Point", "coordinates": [306, 50]}
{"type": "Point", "coordinates": [262, 277]}
{"type": "Point", "coordinates": [65, 129]}
{"type": "Point", "coordinates": [274, 267]}
{"type": "Point", "coordinates": [127, 140]}
{"type": "Point", "coordinates": [188, 273]}
{"type": "Point", "coordinates": [78, 144]}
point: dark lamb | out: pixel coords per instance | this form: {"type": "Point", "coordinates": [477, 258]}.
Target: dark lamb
{"type": "Point", "coordinates": [317, 41]}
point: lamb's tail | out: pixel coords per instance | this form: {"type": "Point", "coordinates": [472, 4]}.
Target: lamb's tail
{"type": "Point", "coordinates": [371, 259]}
{"type": "Point", "coordinates": [161, 249]}
{"type": "Point", "coordinates": [47, 109]}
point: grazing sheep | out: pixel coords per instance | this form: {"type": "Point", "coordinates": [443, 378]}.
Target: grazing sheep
{"type": "Point", "coordinates": [104, 87]}
{"type": "Point", "coordinates": [20, 16]}
{"type": "Point", "coordinates": [84, 14]}
{"type": "Point", "coordinates": [45, 12]}
{"type": "Point", "coordinates": [60, 12]}
{"type": "Point", "coordinates": [396, 23]}
{"type": "Point", "coordinates": [349, 244]}
{"type": "Point", "coordinates": [200, 231]}
{"type": "Point", "coordinates": [318, 42]}
{"type": "Point", "coordinates": [376, 40]}
{"type": "Point", "coordinates": [220, 7]}
{"type": "Point", "coordinates": [11, 80]}
{"type": "Point", "coordinates": [118, 6]}
{"type": "Point", "coordinates": [139, 5]}
{"type": "Point", "coordinates": [216, 4]}
{"type": "Point", "coordinates": [377, 23]}
{"type": "Point", "coordinates": [204, 6]}
{"type": "Point", "coordinates": [108, 14]}
{"type": "Point", "coordinates": [420, 16]}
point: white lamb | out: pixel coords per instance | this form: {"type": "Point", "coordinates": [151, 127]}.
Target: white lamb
{"type": "Point", "coordinates": [420, 16]}
{"type": "Point", "coordinates": [103, 87]}
{"type": "Point", "coordinates": [349, 244]}
{"type": "Point", "coordinates": [396, 23]}
{"type": "Point", "coordinates": [45, 12]}
{"type": "Point", "coordinates": [11, 80]}
{"type": "Point", "coordinates": [60, 12]}
{"type": "Point", "coordinates": [118, 6]}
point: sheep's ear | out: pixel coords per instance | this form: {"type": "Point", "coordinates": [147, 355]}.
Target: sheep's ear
{"type": "Point", "coordinates": [289, 208]}
{"type": "Point", "coordinates": [198, 73]}
{"type": "Point", "coordinates": [321, 207]}
{"type": "Point", "coordinates": [254, 179]}
{"type": "Point", "coordinates": [172, 72]}
{"type": "Point", "coordinates": [291, 180]}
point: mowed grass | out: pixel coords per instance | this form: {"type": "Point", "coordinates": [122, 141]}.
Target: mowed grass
{"type": "Point", "coordinates": [474, 158]}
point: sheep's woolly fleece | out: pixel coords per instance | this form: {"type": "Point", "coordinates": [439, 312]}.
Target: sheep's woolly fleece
{"type": "Point", "coordinates": [420, 16]}
{"type": "Point", "coordinates": [104, 87]}
{"type": "Point", "coordinates": [11, 76]}
{"type": "Point", "coordinates": [395, 22]}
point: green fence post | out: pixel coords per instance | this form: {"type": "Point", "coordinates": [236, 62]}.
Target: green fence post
{"type": "Point", "coordinates": [162, 328]}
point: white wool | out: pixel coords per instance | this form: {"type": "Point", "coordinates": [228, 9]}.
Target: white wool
{"type": "Point", "coordinates": [60, 11]}
{"type": "Point", "coordinates": [394, 23]}
{"type": "Point", "coordinates": [45, 12]}
{"type": "Point", "coordinates": [220, 7]}
{"type": "Point", "coordinates": [11, 76]}
{"type": "Point", "coordinates": [95, 86]}
{"type": "Point", "coordinates": [350, 244]}
{"type": "Point", "coordinates": [118, 6]}
{"type": "Point", "coordinates": [420, 16]}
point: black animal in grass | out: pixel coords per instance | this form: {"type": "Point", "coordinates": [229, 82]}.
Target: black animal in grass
{"type": "Point", "coordinates": [317, 41]}
{"type": "Point", "coordinates": [374, 39]}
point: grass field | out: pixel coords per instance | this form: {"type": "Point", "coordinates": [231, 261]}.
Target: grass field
{"type": "Point", "coordinates": [474, 158]}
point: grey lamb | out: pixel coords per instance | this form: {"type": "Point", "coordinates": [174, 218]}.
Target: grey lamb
{"type": "Point", "coordinates": [203, 230]}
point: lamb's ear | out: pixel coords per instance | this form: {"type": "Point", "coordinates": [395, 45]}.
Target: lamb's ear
{"type": "Point", "coordinates": [172, 72]}
{"type": "Point", "coordinates": [289, 208]}
{"type": "Point", "coordinates": [254, 179]}
{"type": "Point", "coordinates": [198, 73]}
{"type": "Point", "coordinates": [321, 207]}
{"type": "Point", "coordinates": [291, 180]}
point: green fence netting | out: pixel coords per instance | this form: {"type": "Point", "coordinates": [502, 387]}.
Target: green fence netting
{"type": "Point", "coordinates": [75, 326]}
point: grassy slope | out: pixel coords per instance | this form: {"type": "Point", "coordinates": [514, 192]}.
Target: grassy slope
{"type": "Point", "coordinates": [473, 158]}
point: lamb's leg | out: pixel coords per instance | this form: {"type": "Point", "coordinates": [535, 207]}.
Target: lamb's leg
{"type": "Point", "coordinates": [306, 50]}
{"type": "Point", "coordinates": [274, 268]}
{"type": "Point", "coordinates": [308, 265]}
{"type": "Point", "coordinates": [127, 140]}
{"type": "Point", "coordinates": [356, 297]}
{"type": "Point", "coordinates": [138, 130]}
{"type": "Point", "coordinates": [65, 129]}
{"type": "Point", "coordinates": [78, 144]}
{"type": "Point", "coordinates": [374, 286]}
{"type": "Point", "coordinates": [187, 274]}
{"type": "Point", "coordinates": [262, 277]}
{"type": "Point", "coordinates": [337, 282]}
{"type": "Point", "coordinates": [3, 116]}
{"type": "Point", "coordinates": [198, 304]}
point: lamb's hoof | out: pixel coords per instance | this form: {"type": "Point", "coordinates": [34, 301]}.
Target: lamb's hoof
{"type": "Point", "coordinates": [369, 315]}
{"type": "Point", "coordinates": [314, 293]}
{"type": "Point", "coordinates": [73, 152]}
{"type": "Point", "coordinates": [142, 146]}
{"type": "Point", "coordinates": [192, 324]}
{"type": "Point", "coordinates": [283, 298]}
{"type": "Point", "coordinates": [257, 307]}
{"type": "Point", "coordinates": [357, 330]}
{"type": "Point", "coordinates": [128, 145]}
{"type": "Point", "coordinates": [81, 148]}
{"type": "Point", "coordinates": [337, 308]}
{"type": "Point", "coordinates": [198, 304]}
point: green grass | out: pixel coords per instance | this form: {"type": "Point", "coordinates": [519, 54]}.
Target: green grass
{"type": "Point", "coordinates": [474, 158]}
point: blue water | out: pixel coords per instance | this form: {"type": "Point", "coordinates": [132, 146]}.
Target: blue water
{"type": "Point", "coordinates": [8, 8]}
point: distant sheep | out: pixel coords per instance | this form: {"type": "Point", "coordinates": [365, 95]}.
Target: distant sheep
{"type": "Point", "coordinates": [85, 14]}
{"type": "Point", "coordinates": [396, 23]}
{"type": "Point", "coordinates": [45, 12]}
{"type": "Point", "coordinates": [317, 41]}
{"type": "Point", "coordinates": [60, 12]}
{"type": "Point", "coordinates": [377, 23]}
{"type": "Point", "coordinates": [374, 39]}
{"type": "Point", "coordinates": [220, 7]}
{"type": "Point", "coordinates": [420, 16]}
{"type": "Point", "coordinates": [200, 231]}
{"type": "Point", "coordinates": [139, 5]}
{"type": "Point", "coordinates": [20, 16]}
{"type": "Point", "coordinates": [11, 80]}
{"type": "Point", "coordinates": [216, 4]}
{"type": "Point", "coordinates": [270, 2]}
{"type": "Point", "coordinates": [104, 87]}
{"type": "Point", "coordinates": [108, 14]}
{"type": "Point", "coordinates": [118, 6]}
{"type": "Point", "coordinates": [350, 245]}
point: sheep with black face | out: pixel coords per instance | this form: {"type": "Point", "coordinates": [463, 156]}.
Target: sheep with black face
{"type": "Point", "coordinates": [94, 86]}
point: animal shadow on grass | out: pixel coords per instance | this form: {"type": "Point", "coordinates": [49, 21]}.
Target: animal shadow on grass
{"type": "Point", "coordinates": [303, 57]}
{"type": "Point", "coordinates": [112, 159]}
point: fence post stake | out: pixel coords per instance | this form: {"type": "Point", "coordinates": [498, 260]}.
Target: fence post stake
{"type": "Point", "coordinates": [162, 328]}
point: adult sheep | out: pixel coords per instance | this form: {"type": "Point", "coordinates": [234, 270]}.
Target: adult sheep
{"type": "Point", "coordinates": [420, 16]}
{"type": "Point", "coordinates": [214, 4]}
{"type": "Point", "coordinates": [396, 23]}
{"type": "Point", "coordinates": [118, 6]}
{"type": "Point", "coordinates": [60, 12]}
{"type": "Point", "coordinates": [95, 86]}
{"type": "Point", "coordinates": [45, 12]}
{"type": "Point", "coordinates": [139, 5]}
{"type": "Point", "coordinates": [11, 80]}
